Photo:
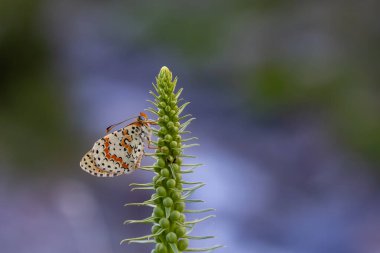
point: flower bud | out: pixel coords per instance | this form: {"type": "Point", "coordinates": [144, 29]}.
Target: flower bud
{"type": "Point", "coordinates": [158, 212]}
{"type": "Point", "coordinates": [165, 172]}
{"type": "Point", "coordinates": [155, 178]}
{"type": "Point", "coordinates": [161, 191]}
{"type": "Point", "coordinates": [180, 231]}
{"type": "Point", "coordinates": [173, 144]}
{"type": "Point", "coordinates": [182, 218]}
{"type": "Point", "coordinates": [161, 248]}
{"type": "Point", "coordinates": [161, 112]}
{"type": "Point", "coordinates": [168, 138]}
{"type": "Point", "coordinates": [176, 168]}
{"type": "Point", "coordinates": [171, 183]}
{"type": "Point", "coordinates": [170, 159]}
{"type": "Point", "coordinates": [175, 215]}
{"type": "Point", "coordinates": [173, 102]}
{"type": "Point", "coordinates": [164, 96]}
{"type": "Point", "coordinates": [167, 202]}
{"type": "Point", "coordinates": [178, 161]}
{"type": "Point", "coordinates": [178, 176]}
{"type": "Point", "coordinates": [163, 131]}
{"type": "Point", "coordinates": [170, 125]}
{"type": "Point", "coordinates": [165, 118]}
{"type": "Point", "coordinates": [171, 237]}
{"type": "Point", "coordinates": [183, 244]}
{"type": "Point", "coordinates": [161, 162]}
{"type": "Point", "coordinates": [161, 142]}
{"type": "Point", "coordinates": [164, 223]}
{"type": "Point", "coordinates": [180, 206]}
{"type": "Point", "coordinates": [155, 229]}
{"type": "Point", "coordinates": [164, 150]}
{"type": "Point", "coordinates": [176, 151]}
{"type": "Point", "coordinates": [175, 195]}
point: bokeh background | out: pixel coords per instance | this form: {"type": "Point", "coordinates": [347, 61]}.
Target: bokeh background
{"type": "Point", "coordinates": [286, 96]}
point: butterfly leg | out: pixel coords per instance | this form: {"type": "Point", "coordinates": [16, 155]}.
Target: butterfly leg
{"type": "Point", "coordinates": [151, 147]}
{"type": "Point", "coordinates": [152, 122]}
{"type": "Point", "coordinates": [150, 143]}
{"type": "Point", "coordinates": [138, 161]}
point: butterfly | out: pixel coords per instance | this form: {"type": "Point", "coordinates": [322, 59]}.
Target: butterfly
{"type": "Point", "coordinates": [121, 151]}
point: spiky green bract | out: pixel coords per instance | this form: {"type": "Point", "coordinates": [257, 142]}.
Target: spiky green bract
{"type": "Point", "coordinates": [170, 230]}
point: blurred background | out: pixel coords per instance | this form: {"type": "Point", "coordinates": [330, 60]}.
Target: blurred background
{"type": "Point", "coordinates": [286, 96]}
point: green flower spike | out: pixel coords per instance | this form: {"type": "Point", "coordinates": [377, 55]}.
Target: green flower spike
{"type": "Point", "coordinates": [170, 229]}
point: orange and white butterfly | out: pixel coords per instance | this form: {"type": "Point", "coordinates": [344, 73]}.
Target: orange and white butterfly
{"type": "Point", "coordinates": [119, 152]}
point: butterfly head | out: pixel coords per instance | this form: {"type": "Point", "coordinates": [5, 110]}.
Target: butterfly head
{"type": "Point", "coordinates": [142, 117]}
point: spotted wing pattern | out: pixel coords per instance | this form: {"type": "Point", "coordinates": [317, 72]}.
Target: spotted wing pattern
{"type": "Point", "coordinates": [115, 154]}
{"type": "Point", "coordinates": [88, 165]}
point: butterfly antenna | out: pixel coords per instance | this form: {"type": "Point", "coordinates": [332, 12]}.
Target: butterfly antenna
{"type": "Point", "coordinates": [108, 129]}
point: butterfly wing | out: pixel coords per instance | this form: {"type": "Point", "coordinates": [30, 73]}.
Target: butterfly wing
{"type": "Point", "coordinates": [120, 151]}
{"type": "Point", "coordinates": [115, 154]}
{"type": "Point", "coordinates": [88, 164]}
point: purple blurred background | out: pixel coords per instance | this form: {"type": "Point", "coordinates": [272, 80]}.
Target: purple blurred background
{"type": "Point", "coordinates": [286, 98]}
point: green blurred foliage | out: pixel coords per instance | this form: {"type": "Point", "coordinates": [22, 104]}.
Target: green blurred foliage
{"type": "Point", "coordinates": [166, 24]}
{"type": "Point", "coordinates": [31, 110]}
{"type": "Point", "coordinates": [344, 90]}
{"type": "Point", "coordinates": [351, 111]}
